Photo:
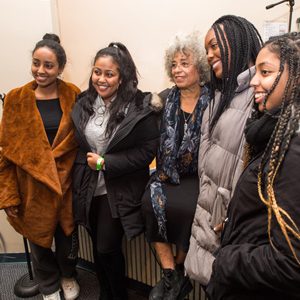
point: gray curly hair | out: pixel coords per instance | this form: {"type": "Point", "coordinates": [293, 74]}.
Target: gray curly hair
{"type": "Point", "coordinates": [188, 43]}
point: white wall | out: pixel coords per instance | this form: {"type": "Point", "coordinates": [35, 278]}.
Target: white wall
{"type": "Point", "coordinates": [146, 27]}
{"type": "Point", "coordinates": [22, 24]}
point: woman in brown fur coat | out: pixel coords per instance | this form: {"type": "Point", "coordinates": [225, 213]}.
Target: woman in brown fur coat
{"type": "Point", "coordinates": [37, 153]}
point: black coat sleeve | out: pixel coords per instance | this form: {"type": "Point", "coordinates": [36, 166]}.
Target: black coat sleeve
{"type": "Point", "coordinates": [251, 267]}
{"type": "Point", "coordinates": [142, 146]}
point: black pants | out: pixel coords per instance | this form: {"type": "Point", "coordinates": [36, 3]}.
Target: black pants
{"type": "Point", "coordinates": [107, 234]}
{"type": "Point", "coordinates": [49, 267]}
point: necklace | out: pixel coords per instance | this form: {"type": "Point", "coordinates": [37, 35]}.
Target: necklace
{"type": "Point", "coordinates": [186, 119]}
{"type": "Point", "coordinates": [100, 115]}
{"type": "Point", "coordinates": [101, 111]}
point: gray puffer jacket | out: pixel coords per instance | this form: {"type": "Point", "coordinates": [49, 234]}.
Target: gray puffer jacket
{"type": "Point", "coordinates": [220, 165]}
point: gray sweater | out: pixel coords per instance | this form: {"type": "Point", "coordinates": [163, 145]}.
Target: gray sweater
{"type": "Point", "coordinates": [95, 136]}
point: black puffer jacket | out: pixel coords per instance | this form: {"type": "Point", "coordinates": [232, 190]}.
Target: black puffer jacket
{"type": "Point", "coordinates": [127, 160]}
{"type": "Point", "coordinates": [247, 266]}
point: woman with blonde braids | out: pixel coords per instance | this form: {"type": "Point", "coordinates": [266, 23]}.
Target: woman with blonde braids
{"type": "Point", "coordinates": [259, 256]}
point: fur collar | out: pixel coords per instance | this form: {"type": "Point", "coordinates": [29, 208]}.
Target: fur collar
{"type": "Point", "coordinates": [23, 138]}
{"type": "Point", "coordinates": [156, 103]}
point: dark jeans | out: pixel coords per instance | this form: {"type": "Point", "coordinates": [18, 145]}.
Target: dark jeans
{"type": "Point", "coordinates": [107, 234]}
{"type": "Point", "coordinates": [49, 267]}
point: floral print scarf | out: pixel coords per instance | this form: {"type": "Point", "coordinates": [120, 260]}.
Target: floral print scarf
{"type": "Point", "coordinates": [175, 158]}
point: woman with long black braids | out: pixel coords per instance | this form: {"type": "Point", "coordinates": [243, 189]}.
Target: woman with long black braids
{"type": "Point", "coordinates": [232, 45]}
{"type": "Point", "coordinates": [260, 253]}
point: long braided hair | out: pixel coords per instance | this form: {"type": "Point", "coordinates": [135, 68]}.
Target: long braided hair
{"type": "Point", "coordinates": [287, 47]}
{"type": "Point", "coordinates": [239, 43]}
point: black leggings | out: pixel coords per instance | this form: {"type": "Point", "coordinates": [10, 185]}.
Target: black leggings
{"type": "Point", "coordinates": [107, 234]}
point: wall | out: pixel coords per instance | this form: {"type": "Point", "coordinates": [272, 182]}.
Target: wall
{"type": "Point", "coordinates": [22, 24]}
{"type": "Point", "coordinates": [146, 27]}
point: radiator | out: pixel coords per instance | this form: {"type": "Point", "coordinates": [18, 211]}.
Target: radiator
{"type": "Point", "coordinates": [141, 264]}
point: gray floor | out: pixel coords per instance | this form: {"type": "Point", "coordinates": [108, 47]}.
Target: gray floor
{"type": "Point", "coordinates": [11, 272]}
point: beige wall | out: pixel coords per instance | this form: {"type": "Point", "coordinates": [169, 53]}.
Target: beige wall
{"type": "Point", "coordinates": [144, 26]}
{"type": "Point", "coordinates": [22, 24]}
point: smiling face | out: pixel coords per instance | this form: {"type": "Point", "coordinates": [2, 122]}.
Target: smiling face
{"type": "Point", "coordinates": [184, 72]}
{"type": "Point", "coordinates": [213, 53]}
{"type": "Point", "coordinates": [106, 77]}
{"type": "Point", "coordinates": [267, 69]}
{"type": "Point", "coordinates": [45, 67]}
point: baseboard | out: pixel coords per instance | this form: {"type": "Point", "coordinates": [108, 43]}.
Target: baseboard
{"type": "Point", "coordinates": [12, 257]}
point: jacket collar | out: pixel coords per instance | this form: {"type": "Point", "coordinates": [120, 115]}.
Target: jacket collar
{"type": "Point", "coordinates": [244, 79]}
{"type": "Point", "coordinates": [133, 116]}
{"type": "Point", "coordinates": [24, 140]}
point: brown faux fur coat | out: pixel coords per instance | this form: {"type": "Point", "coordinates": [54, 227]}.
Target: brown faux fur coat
{"type": "Point", "coordinates": [33, 175]}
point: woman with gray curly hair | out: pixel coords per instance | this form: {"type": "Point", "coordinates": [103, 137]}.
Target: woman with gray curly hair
{"type": "Point", "coordinates": [170, 201]}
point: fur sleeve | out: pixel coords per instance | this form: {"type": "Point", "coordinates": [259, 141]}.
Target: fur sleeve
{"type": "Point", "coordinates": [9, 193]}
